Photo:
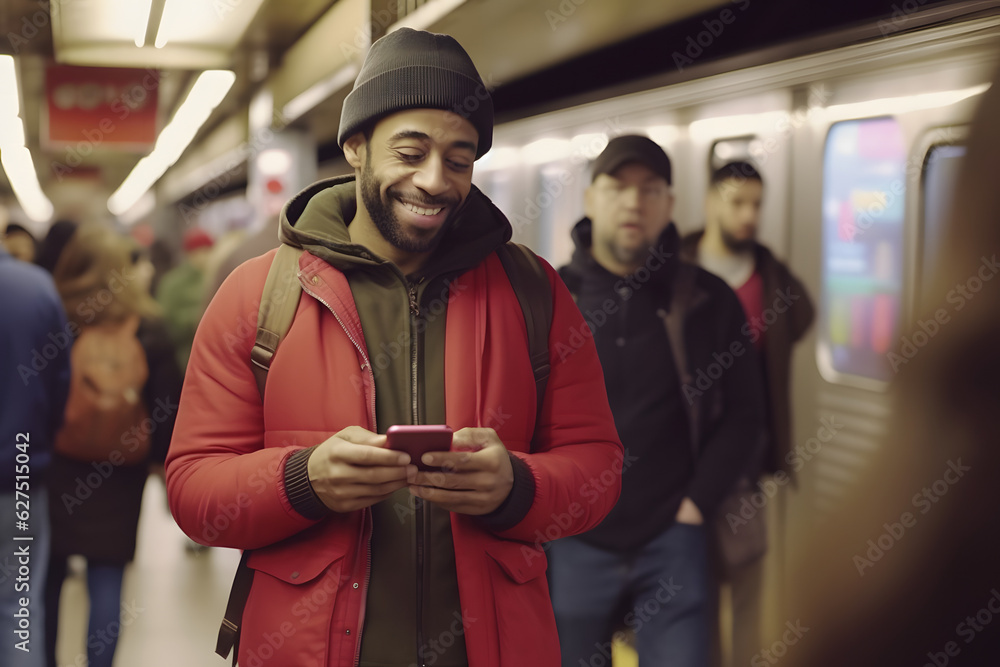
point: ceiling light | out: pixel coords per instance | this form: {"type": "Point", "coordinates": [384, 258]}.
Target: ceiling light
{"type": "Point", "coordinates": [316, 93]}
{"type": "Point", "coordinates": [426, 15]}
{"type": "Point", "coordinates": [735, 126]}
{"type": "Point", "coordinates": [206, 94]}
{"type": "Point", "coordinates": [889, 106]}
{"type": "Point", "coordinates": [137, 16]}
{"type": "Point", "coordinates": [15, 158]}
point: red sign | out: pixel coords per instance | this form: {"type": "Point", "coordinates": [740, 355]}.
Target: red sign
{"type": "Point", "coordinates": [101, 105]}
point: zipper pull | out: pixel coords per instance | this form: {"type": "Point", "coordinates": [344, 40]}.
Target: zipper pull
{"type": "Point", "coordinates": [414, 305]}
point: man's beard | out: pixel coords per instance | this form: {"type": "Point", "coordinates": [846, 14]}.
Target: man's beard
{"type": "Point", "coordinates": [627, 256]}
{"type": "Point", "coordinates": [737, 245]}
{"type": "Point", "coordinates": [382, 214]}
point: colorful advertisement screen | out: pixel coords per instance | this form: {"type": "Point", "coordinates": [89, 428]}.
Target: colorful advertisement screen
{"type": "Point", "coordinates": [864, 188]}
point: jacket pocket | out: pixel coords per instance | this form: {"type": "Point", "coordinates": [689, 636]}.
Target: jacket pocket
{"type": "Point", "coordinates": [289, 612]}
{"type": "Point", "coordinates": [526, 626]}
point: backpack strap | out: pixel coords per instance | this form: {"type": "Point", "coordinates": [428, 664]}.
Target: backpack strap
{"type": "Point", "coordinates": [278, 304]}
{"type": "Point", "coordinates": [534, 293]}
{"type": "Point", "coordinates": [680, 301]}
{"type": "Point", "coordinates": [229, 632]}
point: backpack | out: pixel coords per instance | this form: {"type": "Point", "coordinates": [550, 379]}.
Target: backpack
{"type": "Point", "coordinates": [274, 319]}
{"type": "Point", "coordinates": [105, 410]}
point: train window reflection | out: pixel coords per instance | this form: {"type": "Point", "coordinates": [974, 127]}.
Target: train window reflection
{"type": "Point", "coordinates": [941, 171]}
{"type": "Point", "coordinates": [864, 183]}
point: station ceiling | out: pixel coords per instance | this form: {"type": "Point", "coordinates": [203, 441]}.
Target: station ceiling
{"type": "Point", "coordinates": [278, 44]}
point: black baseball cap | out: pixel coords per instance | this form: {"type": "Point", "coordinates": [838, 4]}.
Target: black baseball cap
{"type": "Point", "coordinates": [632, 148]}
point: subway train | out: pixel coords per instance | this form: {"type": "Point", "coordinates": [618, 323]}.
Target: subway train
{"type": "Point", "coordinates": [858, 146]}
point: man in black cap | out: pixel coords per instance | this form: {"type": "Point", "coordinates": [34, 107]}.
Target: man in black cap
{"type": "Point", "coordinates": [688, 412]}
{"type": "Point", "coordinates": [407, 317]}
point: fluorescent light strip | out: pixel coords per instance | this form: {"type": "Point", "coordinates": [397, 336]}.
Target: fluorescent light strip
{"type": "Point", "coordinates": [426, 15]}
{"type": "Point", "coordinates": [15, 158]}
{"type": "Point", "coordinates": [318, 92]}
{"type": "Point", "coordinates": [140, 11]}
{"type": "Point", "coordinates": [173, 13]}
{"type": "Point", "coordinates": [142, 208]}
{"type": "Point", "coordinates": [889, 106]}
{"type": "Point", "coordinates": [206, 94]}
{"type": "Point", "coordinates": [732, 126]}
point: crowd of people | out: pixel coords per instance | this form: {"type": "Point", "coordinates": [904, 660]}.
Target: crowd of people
{"type": "Point", "coordinates": [586, 495]}
{"type": "Point", "coordinates": [94, 375]}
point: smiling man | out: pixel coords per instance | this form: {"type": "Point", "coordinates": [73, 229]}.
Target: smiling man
{"type": "Point", "coordinates": [407, 316]}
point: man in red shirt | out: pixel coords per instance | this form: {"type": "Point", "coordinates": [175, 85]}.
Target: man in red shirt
{"type": "Point", "coordinates": [778, 312]}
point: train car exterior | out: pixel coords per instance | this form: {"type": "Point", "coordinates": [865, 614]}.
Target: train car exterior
{"type": "Point", "coordinates": [858, 146]}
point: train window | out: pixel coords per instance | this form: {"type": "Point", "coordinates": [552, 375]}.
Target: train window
{"type": "Point", "coordinates": [725, 151]}
{"type": "Point", "coordinates": [941, 169]}
{"type": "Point", "coordinates": [864, 183]}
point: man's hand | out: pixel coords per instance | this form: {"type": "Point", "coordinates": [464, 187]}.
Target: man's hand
{"type": "Point", "coordinates": [475, 480]}
{"type": "Point", "coordinates": [689, 513]}
{"type": "Point", "coordinates": [352, 470]}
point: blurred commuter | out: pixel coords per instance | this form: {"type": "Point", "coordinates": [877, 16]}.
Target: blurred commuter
{"type": "Point", "coordinates": [400, 261]}
{"type": "Point", "coordinates": [34, 356]}
{"type": "Point", "coordinates": [657, 322]}
{"type": "Point", "coordinates": [180, 292]}
{"type": "Point", "coordinates": [254, 245]}
{"type": "Point", "coordinates": [20, 243]}
{"type": "Point", "coordinates": [162, 258]}
{"type": "Point", "coordinates": [54, 242]}
{"type": "Point", "coordinates": [778, 311]}
{"type": "Point", "coordinates": [119, 416]}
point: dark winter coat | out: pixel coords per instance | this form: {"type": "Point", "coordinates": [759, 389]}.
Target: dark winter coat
{"type": "Point", "coordinates": [779, 339]}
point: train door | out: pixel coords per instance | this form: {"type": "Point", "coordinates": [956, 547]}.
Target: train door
{"type": "Point", "coordinates": [858, 245]}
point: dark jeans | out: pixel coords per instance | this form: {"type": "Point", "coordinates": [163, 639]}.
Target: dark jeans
{"type": "Point", "coordinates": [104, 588]}
{"type": "Point", "coordinates": [659, 592]}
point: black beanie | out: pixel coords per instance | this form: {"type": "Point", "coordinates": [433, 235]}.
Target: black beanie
{"type": "Point", "coordinates": [413, 69]}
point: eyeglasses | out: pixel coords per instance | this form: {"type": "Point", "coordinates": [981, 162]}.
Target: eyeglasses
{"type": "Point", "coordinates": [646, 191]}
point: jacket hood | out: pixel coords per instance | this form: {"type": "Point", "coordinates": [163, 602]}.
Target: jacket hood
{"type": "Point", "coordinates": [317, 219]}
{"type": "Point", "coordinates": [668, 244]}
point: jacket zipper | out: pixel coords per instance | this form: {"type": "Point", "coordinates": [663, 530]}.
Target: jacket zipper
{"type": "Point", "coordinates": [364, 592]}
{"type": "Point", "coordinates": [421, 516]}
{"type": "Point", "coordinates": [365, 366]}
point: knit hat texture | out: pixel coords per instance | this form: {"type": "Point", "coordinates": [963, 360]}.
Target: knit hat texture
{"type": "Point", "coordinates": [414, 69]}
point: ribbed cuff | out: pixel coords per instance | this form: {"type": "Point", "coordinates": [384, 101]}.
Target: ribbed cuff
{"type": "Point", "coordinates": [298, 488]}
{"type": "Point", "coordinates": [517, 503]}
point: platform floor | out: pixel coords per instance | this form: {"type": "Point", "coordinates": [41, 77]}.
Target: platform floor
{"type": "Point", "coordinates": [173, 598]}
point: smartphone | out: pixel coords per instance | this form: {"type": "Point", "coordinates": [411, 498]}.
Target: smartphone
{"type": "Point", "coordinates": [419, 439]}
